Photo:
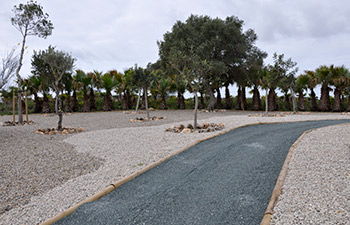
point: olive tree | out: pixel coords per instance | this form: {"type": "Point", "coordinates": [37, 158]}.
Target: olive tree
{"type": "Point", "coordinates": [57, 63]}
{"type": "Point", "coordinates": [29, 20]}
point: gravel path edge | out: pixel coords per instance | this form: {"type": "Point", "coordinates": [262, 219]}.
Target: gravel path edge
{"type": "Point", "coordinates": [277, 191]}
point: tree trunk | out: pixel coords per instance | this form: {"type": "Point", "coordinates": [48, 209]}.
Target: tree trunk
{"type": "Point", "coordinates": [19, 80]}
{"type": "Point", "coordinates": [301, 105]}
{"type": "Point", "coordinates": [211, 105]}
{"type": "Point", "coordinates": [313, 101]}
{"type": "Point", "coordinates": [195, 110]}
{"type": "Point", "coordinates": [128, 99]}
{"type": "Point", "coordinates": [218, 99]}
{"type": "Point", "coordinates": [68, 103]}
{"type": "Point", "coordinates": [46, 105]}
{"type": "Point", "coordinates": [180, 100]}
{"type": "Point", "coordinates": [74, 102]}
{"type": "Point", "coordinates": [138, 100]}
{"type": "Point", "coordinates": [238, 103]}
{"type": "Point", "coordinates": [272, 100]}
{"type": "Point", "coordinates": [108, 104]}
{"type": "Point", "coordinates": [228, 100]}
{"type": "Point", "coordinates": [86, 107]}
{"type": "Point", "coordinates": [266, 101]}
{"type": "Point", "coordinates": [146, 103]}
{"type": "Point", "coordinates": [243, 99]}
{"type": "Point", "coordinates": [92, 100]}
{"type": "Point", "coordinates": [38, 104]}
{"type": "Point", "coordinates": [348, 105]}
{"type": "Point", "coordinates": [294, 101]}
{"type": "Point", "coordinates": [337, 102]}
{"type": "Point", "coordinates": [125, 101]}
{"type": "Point", "coordinates": [143, 101]}
{"type": "Point", "coordinates": [325, 104]}
{"type": "Point", "coordinates": [286, 101]}
{"type": "Point", "coordinates": [163, 102]}
{"type": "Point", "coordinates": [201, 105]}
{"type": "Point", "coordinates": [256, 103]}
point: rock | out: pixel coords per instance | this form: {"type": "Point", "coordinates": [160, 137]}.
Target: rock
{"type": "Point", "coordinates": [189, 126]}
{"type": "Point", "coordinates": [181, 127]}
{"type": "Point", "coordinates": [65, 132]}
{"type": "Point", "coordinates": [205, 125]}
{"type": "Point", "coordinates": [186, 131]}
{"type": "Point", "coordinates": [151, 109]}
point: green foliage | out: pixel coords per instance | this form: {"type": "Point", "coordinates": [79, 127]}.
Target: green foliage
{"type": "Point", "coordinates": [30, 19]}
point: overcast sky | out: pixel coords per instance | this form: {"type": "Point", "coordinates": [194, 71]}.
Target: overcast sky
{"type": "Point", "coordinates": [106, 34]}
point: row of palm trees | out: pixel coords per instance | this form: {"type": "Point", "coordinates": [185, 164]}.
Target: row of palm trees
{"type": "Point", "coordinates": [125, 86]}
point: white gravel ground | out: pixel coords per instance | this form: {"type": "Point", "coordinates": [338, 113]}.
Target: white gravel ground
{"type": "Point", "coordinates": [317, 186]}
{"type": "Point", "coordinates": [121, 150]}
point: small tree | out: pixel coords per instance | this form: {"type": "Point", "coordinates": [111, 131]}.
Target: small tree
{"type": "Point", "coordinates": [8, 68]}
{"type": "Point", "coordinates": [59, 63]}
{"type": "Point", "coordinates": [29, 19]}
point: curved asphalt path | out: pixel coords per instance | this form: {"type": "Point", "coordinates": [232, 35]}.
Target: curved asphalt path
{"type": "Point", "coordinates": [228, 179]}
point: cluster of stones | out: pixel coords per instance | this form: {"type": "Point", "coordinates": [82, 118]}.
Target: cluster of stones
{"type": "Point", "coordinates": [65, 130]}
{"type": "Point", "coordinates": [206, 127]}
{"type": "Point", "coordinates": [141, 119]}
{"type": "Point", "coordinates": [10, 123]}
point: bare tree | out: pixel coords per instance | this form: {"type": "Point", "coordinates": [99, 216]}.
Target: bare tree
{"type": "Point", "coordinates": [8, 68]}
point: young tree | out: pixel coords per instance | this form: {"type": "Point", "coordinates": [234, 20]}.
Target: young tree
{"type": "Point", "coordinates": [8, 68]}
{"type": "Point", "coordinates": [29, 19]}
{"type": "Point", "coordinates": [58, 63]}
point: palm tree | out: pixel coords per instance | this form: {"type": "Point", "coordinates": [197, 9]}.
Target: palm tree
{"type": "Point", "coordinates": [67, 81]}
{"type": "Point", "coordinates": [324, 76]}
{"type": "Point", "coordinates": [34, 86]}
{"type": "Point", "coordinates": [313, 81]}
{"type": "Point", "coordinates": [85, 81]}
{"type": "Point", "coordinates": [108, 83]}
{"type": "Point", "coordinates": [162, 85]}
{"type": "Point", "coordinates": [76, 85]}
{"type": "Point", "coordinates": [340, 79]}
{"type": "Point", "coordinates": [302, 82]}
{"type": "Point", "coordinates": [95, 78]}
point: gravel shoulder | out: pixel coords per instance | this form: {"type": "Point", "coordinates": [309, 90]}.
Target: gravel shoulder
{"type": "Point", "coordinates": [44, 175]}
{"type": "Point", "coordinates": [317, 186]}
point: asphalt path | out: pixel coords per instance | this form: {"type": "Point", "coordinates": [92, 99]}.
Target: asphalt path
{"type": "Point", "coordinates": [228, 179]}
